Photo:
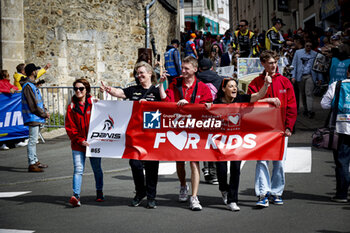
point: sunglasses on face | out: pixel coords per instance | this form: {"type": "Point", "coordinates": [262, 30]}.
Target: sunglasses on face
{"type": "Point", "coordinates": [241, 25]}
{"type": "Point", "coordinates": [79, 88]}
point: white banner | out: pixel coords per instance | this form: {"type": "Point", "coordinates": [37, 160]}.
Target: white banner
{"type": "Point", "coordinates": [104, 128]}
{"type": "Point", "coordinates": [226, 71]}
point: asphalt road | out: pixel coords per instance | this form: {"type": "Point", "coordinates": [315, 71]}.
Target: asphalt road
{"type": "Point", "coordinates": [45, 208]}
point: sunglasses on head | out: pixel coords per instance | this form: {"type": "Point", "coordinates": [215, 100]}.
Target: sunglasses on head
{"type": "Point", "coordinates": [78, 88]}
{"type": "Point", "coordinates": [226, 80]}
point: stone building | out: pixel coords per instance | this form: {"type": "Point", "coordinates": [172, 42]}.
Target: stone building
{"type": "Point", "coordinates": [206, 15]}
{"type": "Point", "coordinates": [97, 39]}
{"type": "Point", "coordinates": [295, 14]}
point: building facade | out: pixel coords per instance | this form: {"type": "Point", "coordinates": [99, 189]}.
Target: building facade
{"type": "Point", "coordinates": [97, 39]}
{"type": "Point", "coordinates": [295, 14]}
{"type": "Point", "coordinates": [206, 15]}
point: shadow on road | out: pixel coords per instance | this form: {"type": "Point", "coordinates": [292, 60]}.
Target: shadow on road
{"type": "Point", "coordinates": [14, 169]}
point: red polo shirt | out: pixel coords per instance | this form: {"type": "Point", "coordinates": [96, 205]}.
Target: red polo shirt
{"type": "Point", "coordinates": [203, 94]}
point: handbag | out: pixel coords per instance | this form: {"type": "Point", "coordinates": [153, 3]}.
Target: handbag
{"type": "Point", "coordinates": [326, 137]}
{"type": "Point", "coordinates": [319, 90]}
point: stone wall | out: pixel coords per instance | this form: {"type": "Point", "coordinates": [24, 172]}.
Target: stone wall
{"type": "Point", "coordinates": [98, 39]}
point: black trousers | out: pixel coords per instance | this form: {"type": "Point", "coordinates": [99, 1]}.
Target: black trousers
{"type": "Point", "coordinates": [232, 187]}
{"type": "Point", "coordinates": [148, 188]}
{"type": "Point", "coordinates": [342, 161]}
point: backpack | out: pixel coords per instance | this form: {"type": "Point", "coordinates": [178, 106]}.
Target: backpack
{"type": "Point", "coordinates": [213, 90]}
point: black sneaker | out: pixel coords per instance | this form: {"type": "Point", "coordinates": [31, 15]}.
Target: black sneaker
{"type": "Point", "coordinates": [151, 204]}
{"type": "Point", "coordinates": [136, 201]}
{"type": "Point", "coordinates": [99, 196]}
{"type": "Point", "coordinates": [214, 180]}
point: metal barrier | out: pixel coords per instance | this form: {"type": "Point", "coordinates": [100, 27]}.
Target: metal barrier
{"type": "Point", "coordinates": [56, 100]}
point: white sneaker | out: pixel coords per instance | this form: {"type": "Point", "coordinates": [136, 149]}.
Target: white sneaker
{"type": "Point", "coordinates": [194, 205]}
{"type": "Point", "coordinates": [183, 196]}
{"type": "Point", "coordinates": [21, 144]}
{"type": "Point", "coordinates": [224, 196]}
{"type": "Point", "coordinates": [233, 206]}
{"type": "Point", "coordinates": [4, 147]}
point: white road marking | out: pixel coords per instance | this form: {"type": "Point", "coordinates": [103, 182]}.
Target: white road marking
{"type": "Point", "coordinates": [298, 160]}
{"type": "Point", "coordinates": [167, 168]}
{"type": "Point", "coordinates": [14, 231]}
{"type": "Point", "coordinates": [12, 194]}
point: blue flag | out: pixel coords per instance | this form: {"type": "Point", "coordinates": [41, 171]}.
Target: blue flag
{"type": "Point", "coordinates": [11, 120]}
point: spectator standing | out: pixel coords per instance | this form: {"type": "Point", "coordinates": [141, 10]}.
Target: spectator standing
{"type": "Point", "coordinates": [274, 39]}
{"type": "Point", "coordinates": [281, 87]}
{"type": "Point", "coordinates": [219, 43]}
{"type": "Point", "coordinates": [226, 58]}
{"type": "Point", "coordinates": [208, 76]}
{"type": "Point", "coordinates": [187, 89]}
{"type": "Point", "coordinates": [77, 126]}
{"type": "Point", "coordinates": [199, 45]}
{"type": "Point", "coordinates": [227, 39]}
{"type": "Point", "coordinates": [342, 153]}
{"type": "Point", "coordinates": [261, 41]}
{"type": "Point", "coordinates": [34, 114]}
{"type": "Point", "coordinates": [215, 56]}
{"type": "Point", "coordinates": [190, 48]}
{"type": "Point", "coordinates": [340, 61]}
{"type": "Point", "coordinates": [305, 76]}
{"type": "Point", "coordinates": [145, 91]}
{"type": "Point", "coordinates": [207, 44]}
{"type": "Point", "coordinates": [20, 75]}
{"type": "Point", "coordinates": [173, 60]}
{"type": "Point", "coordinates": [5, 85]}
{"type": "Point", "coordinates": [244, 40]}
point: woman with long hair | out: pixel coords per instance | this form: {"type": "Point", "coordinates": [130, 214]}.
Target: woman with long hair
{"type": "Point", "coordinates": [215, 56]}
{"type": "Point", "coordinates": [226, 95]}
{"type": "Point", "coordinates": [77, 126]}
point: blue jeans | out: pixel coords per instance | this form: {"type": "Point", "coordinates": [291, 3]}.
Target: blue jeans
{"type": "Point", "coordinates": [263, 183]}
{"type": "Point", "coordinates": [342, 160]}
{"type": "Point", "coordinates": [31, 148]}
{"type": "Point", "coordinates": [79, 165]}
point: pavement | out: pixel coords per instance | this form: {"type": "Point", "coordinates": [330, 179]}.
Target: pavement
{"type": "Point", "coordinates": [38, 202]}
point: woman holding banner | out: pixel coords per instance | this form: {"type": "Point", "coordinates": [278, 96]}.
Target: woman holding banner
{"type": "Point", "coordinates": [226, 95]}
{"type": "Point", "coordinates": [144, 91]}
{"type": "Point", "coordinates": [77, 126]}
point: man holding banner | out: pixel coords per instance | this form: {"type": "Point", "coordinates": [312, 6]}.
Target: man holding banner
{"type": "Point", "coordinates": [34, 114]}
{"type": "Point", "coordinates": [281, 88]}
{"type": "Point", "coordinates": [184, 90]}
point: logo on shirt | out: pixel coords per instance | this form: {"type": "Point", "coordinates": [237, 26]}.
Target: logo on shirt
{"type": "Point", "coordinates": [108, 124]}
{"type": "Point", "coordinates": [151, 120]}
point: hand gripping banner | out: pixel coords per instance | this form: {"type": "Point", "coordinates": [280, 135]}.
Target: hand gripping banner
{"type": "Point", "coordinates": [163, 131]}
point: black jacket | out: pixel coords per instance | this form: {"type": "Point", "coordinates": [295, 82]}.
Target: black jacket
{"type": "Point", "coordinates": [210, 76]}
